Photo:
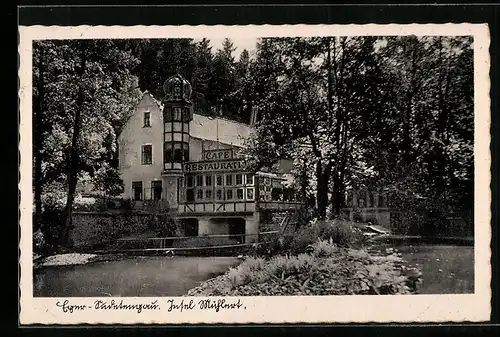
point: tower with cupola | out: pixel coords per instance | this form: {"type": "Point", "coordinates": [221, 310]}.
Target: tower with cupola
{"type": "Point", "coordinates": [177, 115]}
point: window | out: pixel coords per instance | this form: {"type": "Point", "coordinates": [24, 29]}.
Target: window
{"type": "Point", "coordinates": [190, 181]}
{"type": "Point", "coordinates": [239, 193]}
{"type": "Point", "coordinates": [177, 114]}
{"type": "Point", "coordinates": [157, 189]}
{"type": "Point", "coordinates": [137, 190]}
{"type": "Point", "coordinates": [177, 127]}
{"type": "Point", "coordinates": [229, 180]}
{"type": "Point", "coordinates": [249, 179]}
{"type": "Point", "coordinates": [249, 193]}
{"type": "Point", "coordinates": [168, 115]}
{"type": "Point", "coordinates": [190, 195]}
{"type": "Point", "coordinates": [147, 154]}
{"type": "Point", "coordinates": [185, 114]}
{"type": "Point", "coordinates": [177, 152]}
{"type": "Point", "coordinates": [218, 194]}
{"type": "Point", "coordinates": [229, 194]}
{"type": "Point", "coordinates": [199, 194]}
{"type": "Point", "coordinates": [199, 180]}
{"type": "Point", "coordinates": [219, 180]}
{"type": "Point", "coordinates": [208, 194]}
{"type": "Point", "coordinates": [239, 179]}
{"type": "Point", "coordinates": [208, 180]}
{"type": "Point", "coordinates": [147, 119]}
{"type": "Point", "coordinates": [277, 194]}
{"type": "Point", "coordinates": [168, 153]}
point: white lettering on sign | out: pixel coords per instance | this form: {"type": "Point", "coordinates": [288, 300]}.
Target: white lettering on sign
{"type": "Point", "coordinates": [233, 165]}
{"type": "Point", "coordinates": [213, 155]}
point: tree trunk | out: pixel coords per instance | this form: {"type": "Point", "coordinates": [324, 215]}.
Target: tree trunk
{"type": "Point", "coordinates": [338, 193]}
{"type": "Point", "coordinates": [304, 182]}
{"type": "Point", "coordinates": [322, 177]}
{"type": "Point", "coordinates": [74, 158]}
{"type": "Point", "coordinates": [37, 144]}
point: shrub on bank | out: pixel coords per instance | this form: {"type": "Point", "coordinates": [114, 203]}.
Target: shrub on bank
{"type": "Point", "coordinates": [328, 270]}
{"type": "Point", "coordinates": [342, 233]}
{"type": "Point", "coordinates": [323, 248]}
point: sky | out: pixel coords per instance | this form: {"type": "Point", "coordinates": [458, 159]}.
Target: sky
{"type": "Point", "coordinates": [248, 43]}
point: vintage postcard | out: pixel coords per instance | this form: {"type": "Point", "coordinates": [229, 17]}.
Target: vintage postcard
{"type": "Point", "coordinates": [255, 174]}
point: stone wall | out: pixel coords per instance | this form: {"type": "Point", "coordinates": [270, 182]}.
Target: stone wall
{"type": "Point", "coordinates": [91, 230]}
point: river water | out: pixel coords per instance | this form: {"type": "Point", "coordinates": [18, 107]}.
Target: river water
{"type": "Point", "coordinates": [446, 269]}
{"type": "Point", "coordinates": [153, 276]}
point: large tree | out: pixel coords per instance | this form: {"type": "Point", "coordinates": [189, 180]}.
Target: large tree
{"type": "Point", "coordinates": [90, 94]}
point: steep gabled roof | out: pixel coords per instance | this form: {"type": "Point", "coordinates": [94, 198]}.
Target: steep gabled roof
{"type": "Point", "coordinates": [215, 128]}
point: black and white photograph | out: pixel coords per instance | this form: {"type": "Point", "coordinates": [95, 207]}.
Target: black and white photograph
{"type": "Point", "coordinates": [209, 170]}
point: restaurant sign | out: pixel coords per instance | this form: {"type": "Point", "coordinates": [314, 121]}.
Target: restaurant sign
{"type": "Point", "coordinates": [219, 154]}
{"type": "Point", "coordinates": [229, 165]}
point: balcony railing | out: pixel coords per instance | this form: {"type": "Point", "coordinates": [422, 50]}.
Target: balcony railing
{"type": "Point", "coordinates": [279, 205]}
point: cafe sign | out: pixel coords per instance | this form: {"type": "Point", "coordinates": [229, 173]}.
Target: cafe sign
{"type": "Point", "coordinates": [229, 165]}
{"type": "Point", "coordinates": [219, 154]}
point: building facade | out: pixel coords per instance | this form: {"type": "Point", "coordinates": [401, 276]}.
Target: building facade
{"type": "Point", "coordinates": [366, 205]}
{"type": "Point", "coordinates": [192, 162]}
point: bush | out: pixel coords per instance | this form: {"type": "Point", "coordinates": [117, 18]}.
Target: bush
{"type": "Point", "coordinates": [301, 239]}
{"type": "Point", "coordinates": [165, 225]}
{"type": "Point", "coordinates": [284, 266]}
{"type": "Point", "coordinates": [39, 244]}
{"type": "Point", "coordinates": [248, 271]}
{"type": "Point", "coordinates": [257, 270]}
{"type": "Point", "coordinates": [322, 248]}
{"type": "Point", "coordinates": [52, 222]}
{"type": "Point", "coordinates": [126, 205]}
{"type": "Point", "coordinates": [339, 232]}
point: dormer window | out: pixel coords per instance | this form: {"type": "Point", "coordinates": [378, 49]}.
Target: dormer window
{"type": "Point", "coordinates": [147, 119]}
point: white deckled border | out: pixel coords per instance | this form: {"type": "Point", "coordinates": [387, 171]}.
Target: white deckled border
{"type": "Point", "coordinates": [313, 309]}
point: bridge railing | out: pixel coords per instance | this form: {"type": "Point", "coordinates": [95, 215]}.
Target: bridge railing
{"type": "Point", "coordinates": [190, 242]}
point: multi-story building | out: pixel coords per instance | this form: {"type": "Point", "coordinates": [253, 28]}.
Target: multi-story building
{"type": "Point", "coordinates": [167, 152]}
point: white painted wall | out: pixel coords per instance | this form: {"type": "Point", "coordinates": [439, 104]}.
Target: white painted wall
{"type": "Point", "coordinates": [133, 136]}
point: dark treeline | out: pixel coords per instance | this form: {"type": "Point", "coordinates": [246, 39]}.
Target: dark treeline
{"type": "Point", "coordinates": [221, 83]}
{"type": "Point", "coordinates": [391, 113]}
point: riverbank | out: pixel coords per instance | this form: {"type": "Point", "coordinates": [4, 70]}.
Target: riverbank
{"type": "Point", "coordinates": [72, 259]}
{"type": "Point", "coordinates": [408, 240]}
{"type": "Point", "coordinates": [327, 270]}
